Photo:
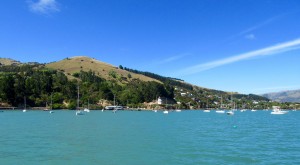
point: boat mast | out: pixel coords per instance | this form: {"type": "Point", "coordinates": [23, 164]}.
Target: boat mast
{"type": "Point", "coordinates": [78, 96]}
{"type": "Point", "coordinates": [51, 102]}
{"type": "Point", "coordinates": [114, 100]}
{"type": "Point", "coordinates": [25, 102]}
{"type": "Point", "coordinates": [221, 106]}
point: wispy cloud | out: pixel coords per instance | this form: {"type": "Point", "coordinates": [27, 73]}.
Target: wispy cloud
{"type": "Point", "coordinates": [173, 58]}
{"type": "Point", "coordinates": [44, 6]}
{"type": "Point", "coordinates": [250, 37]}
{"type": "Point", "coordinates": [255, 27]}
{"type": "Point", "coordinates": [275, 49]}
{"type": "Point", "coordinates": [250, 30]}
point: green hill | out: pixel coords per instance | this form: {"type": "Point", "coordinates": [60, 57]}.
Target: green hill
{"type": "Point", "coordinates": [104, 70]}
{"type": "Point", "coordinates": [104, 84]}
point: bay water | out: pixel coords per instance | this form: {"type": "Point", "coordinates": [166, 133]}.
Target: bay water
{"type": "Point", "coordinates": [148, 138]}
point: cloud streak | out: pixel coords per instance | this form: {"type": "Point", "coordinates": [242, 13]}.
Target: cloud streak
{"type": "Point", "coordinates": [173, 58]}
{"type": "Point", "coordinates": [251, 29]}
{"type": "Point", "coordinates": [44, 6]}
{"type": "Point", "coordinates": [250, 37]}
{"type": "Point", "coordinates": [275, 49]}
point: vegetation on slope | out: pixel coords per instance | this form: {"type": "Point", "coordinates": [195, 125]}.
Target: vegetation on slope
{"type": "Point", "coordinates": [103, 84]}
{"type": "Point", "coordinates": [37, 83]}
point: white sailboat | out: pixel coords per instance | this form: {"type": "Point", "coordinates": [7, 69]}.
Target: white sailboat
{"type": "Point", "coordinates": [278, 111]}
{"type": "Point", "coordinates": [221, 107]}
{"type": "Point", "coordinates": [51, 111]}
{"type": "Point", "coordinates": [206, 110]}
{"type": "Point", "coordinates": [230, 112]}
{"type": "Point", "coordinates": [88, 108]}
{"type": "Point", "coordinates": [24, 110]}
{"type": "Point", "coordinates": [166, 110]}
{"type": "Point", "coordinates": [78, 111]}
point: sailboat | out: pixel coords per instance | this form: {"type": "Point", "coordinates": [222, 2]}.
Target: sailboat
{"type": "Point", "coordinates": [221, 107]}
{"type": "Point", "coordinates": [24, 110]}
{"type": "Point", "coordinates": [230, 112]}
{"type": "Point", "coordinates": [88, 108]}
{"type": "Point", "coordinates": [206, 110]}
{"type": "Point", "coordinates": [46, 108]}
{"type": "Point", "coordinates": [278, 111]}
{"type": "Point", "coordinates": [78, 111]}
{"type": "Point", "coordinates": [51, 106]}
{"type": "Point", "coordinates": [166, 110]}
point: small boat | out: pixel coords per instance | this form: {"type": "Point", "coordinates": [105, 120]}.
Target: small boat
{"type": "Point", "coordinates": [206, 110]}
{"type": "Point", "coordinates": [88, 108]}
{"type": "Point", "coordinates": [50, 111]}
{"type": "Point", "coordinates": [154, 110]}
{"type": "Point", "coordinates": [220, 111]}
{"type": "Point", "coordinates": [230, 112]}
{"type": "Point", "coordinates": [278, 111]}
{"type": "Point", "coordinates": [79, 112]}
{"type": "Point", "coordinates": [24, 110]}
{"type": "Point", "coordinates": [165, 111]}
{"type": "Point", "coordinates": [178, 110]}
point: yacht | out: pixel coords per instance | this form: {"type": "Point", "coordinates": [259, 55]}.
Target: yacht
{"type": "Point", "coordinates": [78, 111]}
{"type": "Point", "coordinates": [278, 111]}
{"type": "Point", "coordinates": [220, 111]}
{"type": "Point", "coordinates": [88, 108]}
{"type": "Point", "coordinates": [230, 112]}
{"type": "Point", "coordinates": [24, 110]}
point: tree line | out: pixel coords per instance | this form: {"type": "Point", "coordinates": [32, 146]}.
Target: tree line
{"type": "Point", "coordinates": [38, 84]}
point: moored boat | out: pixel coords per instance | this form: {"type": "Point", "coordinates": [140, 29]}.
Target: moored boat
{"type": "Point", "coordinates": [278, 111]}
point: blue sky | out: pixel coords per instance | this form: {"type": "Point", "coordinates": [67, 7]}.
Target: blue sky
{"type": "Point", "coordinates": [246, 46]}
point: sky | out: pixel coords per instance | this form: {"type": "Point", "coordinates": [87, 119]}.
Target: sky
{"type": "Point", "coordinates": [245, 46]}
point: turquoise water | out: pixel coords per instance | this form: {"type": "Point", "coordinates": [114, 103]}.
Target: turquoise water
{"type": "Point", "coordinates": [147, 138]}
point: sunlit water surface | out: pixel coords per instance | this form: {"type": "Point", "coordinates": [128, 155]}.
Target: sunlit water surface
{"type": "Point", "coordinates": [148, 138]}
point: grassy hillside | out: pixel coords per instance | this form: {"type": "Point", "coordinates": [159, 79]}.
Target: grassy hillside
{"type": "Point", "coordinates": [8, 61]}
{"type": "Point", "coordinates": [73, 65]}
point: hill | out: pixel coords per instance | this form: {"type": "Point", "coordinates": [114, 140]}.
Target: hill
{"type": "Point", "coordinates": [284, 96]}
{"type": "Point", "coordinates": [8, 61]}
{"type": "Point", "coordinates": [101, 82]}
{"type": "Point", "coordinates": [104, 70]}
